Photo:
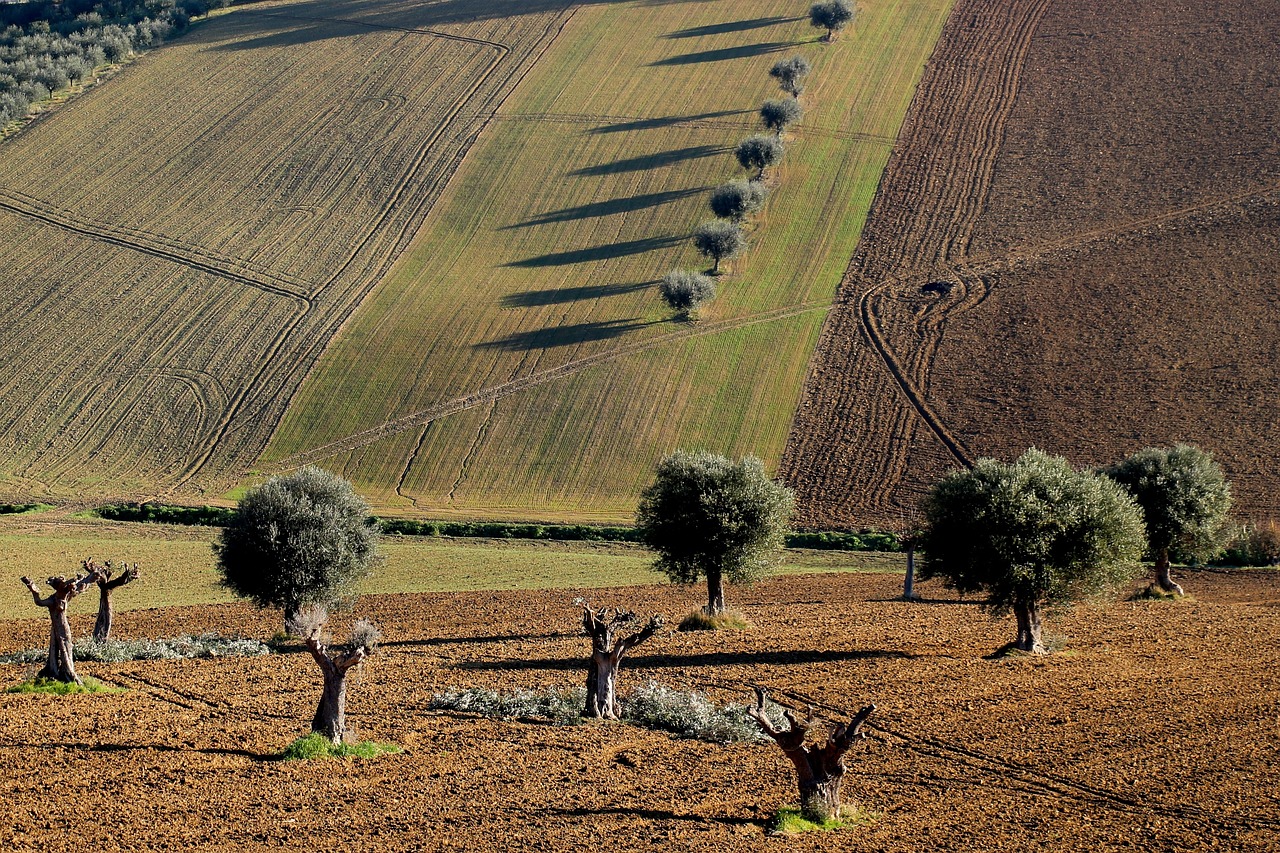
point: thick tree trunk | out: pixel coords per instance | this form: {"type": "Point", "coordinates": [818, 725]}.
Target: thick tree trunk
{"type": "Point", "coordinates": [102, 627]}
{"type": "Point", "coordinates": [331, 716]}
{"type": "Point", "coordinates": [606, 657]}
{"type": "Point", "coordinates": [1166, 582]}
{"type": "Point", "coordinates": [820, 769]}
{"type": "Point", "coordinates": [715, 593]}
{"type": "Point", "coordinates": [909, 582]}
{"type": "Point", "coordinates": [1030, 625]}
{"type": "Point", "coordinates": [60, 665]}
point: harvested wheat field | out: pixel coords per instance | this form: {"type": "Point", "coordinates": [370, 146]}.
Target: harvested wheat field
{"type": "Point", "coordinates": [1154, 727]}
{"type": "Point", "coordinates": [1074, 247]}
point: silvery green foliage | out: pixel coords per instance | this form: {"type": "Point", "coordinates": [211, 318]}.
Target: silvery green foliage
{"type": "Point", "coordinates": [736, 199]}
{"type": "Point", "coordinates": [653, 706]}
{"type": "Point", "coordinates": [686, 291]}
{"type": "Point", "coordinates": [299, 539]}
{"type": "Point", "coordinates": [790, 74]}
{"type": "Point", "coordinates": [692, 714]}
{"type": "Point", "coordinates": [1184, 495]}
{"type": "Point", "coordinates": [719, 240]}
{"type": "Point", "coordinates": [209, 645]}
{"type": "Point", "coordinates": [705, 513]}
{"type": "Point", "coordinates": [833, 15]}
{"type": "Point", "coordinates": [778, 113]}
{"type": "Point", "coordinates": [564, 707]}
{"type": "Point", "coordinates": [758, 152]}
{"type": "Point", "coordinates": [364, 635]}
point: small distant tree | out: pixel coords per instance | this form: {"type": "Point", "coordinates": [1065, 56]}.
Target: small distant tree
{"type": "Point", "coordinates": [607, 650]}
{"type": "Point", "coordinates": [710, 517]}
{"type": "Point", "coordinates": [759, 152]}
{"type": "Point", "coordinates": [330, 720]}
{"type": "Point", "coordinates": [1185, 500]}
{"type": "Point", "coordinates": [106, 584]}
{"type": "Point", "coordinates": [1030, 534]}
{"type": "Point", "coordinates": [832, 16]}
{"type": "Point", "coordinates": [791, 73]}
{"type": "Point", "coordinates": [685, 290]}
{"type": "Point", "coordinates": [778, 113]}
{"type": "Point", "coordinates": [298, 540]}
{"type": "Point", "coordinates": [719, 240]}
{"type": "Point", "coordinates": [60, 664]}
{"type": "Point", "coordinates": [736, 199]}
{"type": "Point", "coordinates": [820, 769]}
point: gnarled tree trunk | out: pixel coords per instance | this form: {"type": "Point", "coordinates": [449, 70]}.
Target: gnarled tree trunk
{"type": "Point", "coordinates": [1030, 626]}
{"type": "Point", "coordinates": [107, 583]}
{"type": "Point", "coordinates": [60, 664]}
{"type": "Point", "coordinates": [606, 656]}
{"type": "Point", "coordinates": [1166, 582]}
{"type": "Point", "coordinates": [820, 769]}
{"type": "Point", "coordinates": [331, 715]}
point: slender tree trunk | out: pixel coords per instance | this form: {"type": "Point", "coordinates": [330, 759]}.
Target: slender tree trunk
{"type": "Point", "coordinates": [1030, 624]}
{"type": "Point", "coordinates": [909, 582]}
{"type": "Point", "coordinates": [715, 593]}
{"type": "Point", "coordinates": [1166, 582]}
{"type": "Point", "coordinates": [331, 716]}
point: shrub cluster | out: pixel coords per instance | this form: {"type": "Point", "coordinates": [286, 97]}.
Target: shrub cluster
{"type": "Point", "coordinates": [45, 47]}
{"type": "Point", "coordinates": [564, 707]}
{"type": "Point", "coordinates": [206, 516]}
{"type": "Point", "coordinates": [1253, 545]}
{"type": "Point", "coordinates": [211, 645]}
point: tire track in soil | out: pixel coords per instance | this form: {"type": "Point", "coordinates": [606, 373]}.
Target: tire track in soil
{"type": "Point", "coordinates": [954, 128]}
{"type": "Point", "coordinates": [426, 416]}
{"type": "Point", "coordinates": [270, 405]}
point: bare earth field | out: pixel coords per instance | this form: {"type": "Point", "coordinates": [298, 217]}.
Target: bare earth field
{"type": "Point", "coordinates": [1155, 728]}
{"type": "Point", "coordinates": [1074, 247]}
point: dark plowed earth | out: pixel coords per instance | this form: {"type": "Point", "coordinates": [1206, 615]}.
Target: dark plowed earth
{"type": "Point", "coordinates": [1154, 728]}
{"type": "Point", "coordinates": [1074, 247]}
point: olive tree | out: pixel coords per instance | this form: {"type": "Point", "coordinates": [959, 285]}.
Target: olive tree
{"type": "Point", "coordinates": [719, 240]}
{"type": "Point", "coordinates": [607, 651]}
{"type": "Point", "coordinates": [330, 720]}
{"type": "Point", "coordinates": [736, 199]}
{"type": "Point", "coordinates": [107, 583]}
{"type": "Point", "coordinates": [685, 291]}
{"type": "Point", "coordinates": [60, 663]}
{"type": "Point", "coordinates": [778, 113]}
{"type": "Point", "coordinates": [1030, 534]}
{"type": "Point", "coordinates": [1185, 500]}
{"type": "Point", "coordinates": [832, 16]}
{"type": "Point", "coordinates": [790, 74]}
{"type": "Point", "coordinates": [758, 152]}
{"type": "Point", "coordinates": [298, 540]}
{"type": "Point", "coordinates": [710, 517]}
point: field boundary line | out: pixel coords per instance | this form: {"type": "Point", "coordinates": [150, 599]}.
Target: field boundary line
{"type": "Point", "coordinates": [494, 392]}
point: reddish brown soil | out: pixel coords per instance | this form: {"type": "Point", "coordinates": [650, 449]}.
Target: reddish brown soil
{"type": "Point", "coordinates": [1075, 247]}
{"type": "Point", "coordinates": [1155, 728]}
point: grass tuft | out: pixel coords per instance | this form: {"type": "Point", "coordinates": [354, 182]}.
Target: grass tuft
{"type": "Point", "coordinates": [63, 688]}
{"type": "Point", "coordinates": [700, 620]}
{"type": "Point", "coordinates": [313, 746]}
{"type": "Point", "coordinates": [789, 821]}
{"type": "Point", "coordinates": [1154, 593]}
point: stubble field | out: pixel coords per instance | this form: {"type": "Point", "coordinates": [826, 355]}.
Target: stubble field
{"type": "Point", "coordinates": [1154, 728]}
{"type": "Point", "coordinates": [1074, 247]}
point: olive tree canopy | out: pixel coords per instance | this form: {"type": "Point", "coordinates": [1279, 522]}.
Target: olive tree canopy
{"type": "Point", "coordinates": [708, 516]}
{"type": "Point", "coordinates": [778, 113]}
{"type": "Point", "coordinates": [719, 240]}
{"type": "Point", "coordinates": [1029, 534]}
{"type": "Point", "coordinates": [758, 152]}
{"type": "Point", "coordinates": [685, 291]}
{"type": "Point", "coordinates": [790, 74]}
{"type": "Point", "coordinates": [300, 539]}
{"type": "Point", "coordinates": [831, 16]}
{"type": "Point", "coordinates": [736, 199]}
{"type": "Point", "coordinates": [1185, 500]}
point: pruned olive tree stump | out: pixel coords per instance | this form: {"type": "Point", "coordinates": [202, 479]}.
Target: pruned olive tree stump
{"type": "Point", "coordinates": [606, 655]}
{"type": "Point", "coordinates": [819, 768]}
{"type": "Point", "coordinates": [107, 583]}
{"type": "Point", "coordinates": [60, 665]}
{"type": "Point", "coordinates": [331, 715]}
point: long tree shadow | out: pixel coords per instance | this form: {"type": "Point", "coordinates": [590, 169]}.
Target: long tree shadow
{"type": "Point", "coordinates": [535, 298]}
{"type": "Point", "coordinates": [608, 208]}
{"type": "Point", "coordinates": [608, 251]}
{"type": "Point", "coordinates": [650, 161]}
{"type": "Point", "coordinates": [494, 638]}
{"type": "Point", "coordinates": [145, 747]}
{"type": "Point", "coordinates": [563, 336]}
{"type": "Point", "coordinates": [648, 814]}
{"type": "Point", "coordinates": [729, 27]}
{"type": "Point", "coordinates": [723, 54]}
{"type": "Point", "coordinates": [665, 121]}
{"type": "Point", "coordinates": [770, 658]}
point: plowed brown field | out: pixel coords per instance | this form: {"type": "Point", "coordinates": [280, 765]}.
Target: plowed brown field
{"type": "Point", "coordinates": [1156, 728]}
{"type": "Point", "coordinates": [1074, 247]}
